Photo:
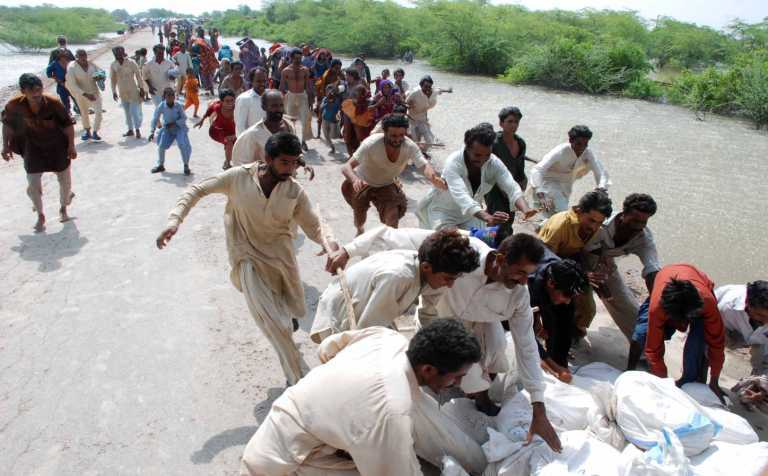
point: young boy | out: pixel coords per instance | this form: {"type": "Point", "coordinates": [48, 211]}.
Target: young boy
{"type": "Point", "coordinates": [174, 128]}
{"type": "Point", "coordinates": [191, 91]}
{"type": "Point", "coordinates": [330, 110]}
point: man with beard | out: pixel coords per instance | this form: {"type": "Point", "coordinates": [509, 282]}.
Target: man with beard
{"type": "Point", "coordinates": [264, 203]}
{"type": "Point", "coordinates": [248, 110]}
{"type": "Point", "coordinates": [81, 83]}
{"type": "Point", "coordinates": [494, 292]}
{"type": "Point", "coordinates": [125, 77]}
{"type": "Point", "coordinates": [371, 175]}
{"type": "Point", "coordinates": [249, 146]}
{"type": "Point", "coordinates": [155, 73]}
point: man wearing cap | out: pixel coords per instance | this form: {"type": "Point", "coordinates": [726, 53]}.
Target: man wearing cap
{"type": "Point", "coordinates": [420, 101]}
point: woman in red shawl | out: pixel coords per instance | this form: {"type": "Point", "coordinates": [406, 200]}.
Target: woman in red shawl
{"type": "Point", "coordinates": [208, 62]}
{"type": "Point", "coordinates": [222, 130]}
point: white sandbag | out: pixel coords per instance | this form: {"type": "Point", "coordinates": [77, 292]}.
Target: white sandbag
{"type": "Point", "coordinates": [499, 447]}
{"type": "Point", "coordinates": [466, 416]}
{"type": "Point", "coordinates": [567, 405]}
{"type": "Point", "coordinates": [599, 371]}
{"type": "Point", "coordinates": [581, 455]}
{"type": "Point", "coordinates": [452, 468]}
{"type": "Point", "coordinates": [726, 459]}
{"type": "Point", "coordinates": [734, 428]}
{"type": "Point", "coordinates": [666, 458]}
{"type": "Point", "coordinates": [645, 404]}
{"type": "Point", "coordinates": [514, 419]}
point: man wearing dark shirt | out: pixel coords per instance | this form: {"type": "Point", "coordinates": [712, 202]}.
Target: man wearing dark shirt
{"type": "Point", "coordinates": [37, 127]}
{"type": "Point", "coordinates": [552, 287]}
{"type": "Point", "coordinates": [510, 148]}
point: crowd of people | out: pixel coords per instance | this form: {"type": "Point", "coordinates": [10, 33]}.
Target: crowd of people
{"type": "Point", "coordinates": [470, 274]}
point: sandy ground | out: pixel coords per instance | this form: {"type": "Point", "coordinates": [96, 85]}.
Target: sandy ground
{"type": "Point", "coordinates": [117, 358]}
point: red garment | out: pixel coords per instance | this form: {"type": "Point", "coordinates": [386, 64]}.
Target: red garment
{"type": "Point", "coordinates": [221, 127]}
{"type": "Point", "coordinates": [714, 331]}
{"type": "Point", "coordinates": [208, 61]}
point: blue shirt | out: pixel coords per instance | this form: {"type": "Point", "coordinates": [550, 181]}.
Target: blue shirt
{"type": "Point", "coordinates": [171, 115]}
{"type": "Point", "coordinates": [330, 109]}
{"type": "Point", "coordinates": [56, 71]}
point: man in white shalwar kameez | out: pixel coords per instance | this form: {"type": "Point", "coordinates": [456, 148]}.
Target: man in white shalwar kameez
{"type": "Point", "coordinates": [553, 177]}
{"type": "Point", "coordinates": [496, 291]}
{"type": "Point", "coordinates": [264, 203]}
{"type": "Point", "coordinates": [362, 412]}
{"type": "Point", "coordinates": [470, 174]}
{"type": "Point", "coordinates": [385, 285]}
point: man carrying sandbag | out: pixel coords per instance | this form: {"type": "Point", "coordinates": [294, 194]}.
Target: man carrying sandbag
{"type": "Point", "coordinates": [683, 298]}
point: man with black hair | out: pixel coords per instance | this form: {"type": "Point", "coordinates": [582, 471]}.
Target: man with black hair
{"type": "Point", "coordinates": [264, 204]}
{"type": "Point", "coordinates": [420, 100]}
{"type": "Point", "coordinates": [385, 285]}
{"type": "Point", "coordinates": [37, 127]}
{"type": "Point", "coordinates": [568, 233]}
{"type": "Point", "coordinates": [155, 74]}
{"type": "Point", "coordinates": [299, 95]}
{"type": "Point", "coordinates": [494, 292]}
{"type": "Point", "coordinates": [81, 83]}
{"type": "Point", "coordinates": [552, 287]}
{"type": "Point", "coordinates": [623, 234]}
{"type": "Point", "coordinates": [363, 411]}
{"type": "Point", "coordinates": [173, 129]}
{"type": "Point", "coordinates": [249, 146]}
{"type": "Point", "coordinates": [552, 178]}
{"type": "Point", "coordinates": [248, 110]}
{"type": "Point", "coordinates": [470, 173]}
{"type": "Point", "coordinates": [371, 175]}
{"type": "Point", "coordinates": [683, 298]}
{"type": "Point", "coordinates": [744, 308]}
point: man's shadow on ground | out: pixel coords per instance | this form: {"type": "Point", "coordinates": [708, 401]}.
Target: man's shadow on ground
{"type": "Point", "coordinates": [50, 248]}
{"type": "Point", "coordinates": [235, 436]}
{"type": "Point", "coordinates": [178, 179]}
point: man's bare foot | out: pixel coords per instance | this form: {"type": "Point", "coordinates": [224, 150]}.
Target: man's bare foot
{"type": "Point", "coordinates": [63, 217]}
{"type": "Point", "coordinates": [40, 224]}
{"type": "Point", "coordinates": [360, 231]}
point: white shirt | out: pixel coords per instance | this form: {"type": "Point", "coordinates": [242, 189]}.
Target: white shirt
{"type": "Point", "coordinates": [81, 80]}
{"type": "Point", "coordinates": [360, 400]}
{"type": "Point", "coordinates": [249, 146]}
{"type": "Point", "coordinates": [561, 165]}
{"type": "Point", "coordinates": [641, 245]}
{"type": "Point", "coordinates": [419, 103]}
{"type": "Point", "coordinates": [471, 298]}
{"type": "Point", "coordinates": [458, 203]}
{"type": "Point", "coordinates": [157, 74]}
{"type": "Point", "coordinates": [383, 287]}
{"type": "Point", "coordinates": [184, 61]}
{"type": "Point", "coordinates": [248, 111]}
{"type": "Point", "coordinates": [374, 166]}
{"type": "Point", "coordinates": [731, 302]}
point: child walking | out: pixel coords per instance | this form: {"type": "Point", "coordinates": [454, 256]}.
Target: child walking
{"type": "Point", "coordinates": [191, 92]}
{"type": "Point", "coordinates": [174, 128]}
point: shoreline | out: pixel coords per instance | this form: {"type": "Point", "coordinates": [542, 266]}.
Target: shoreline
{"type": "Point", "coordinates": [7, 92]}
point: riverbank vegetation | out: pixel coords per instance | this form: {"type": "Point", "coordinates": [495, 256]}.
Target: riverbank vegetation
{"type": "Point", "coordinates": [590, 51]}
{"type": "Point", "coordinates": [30, 28]}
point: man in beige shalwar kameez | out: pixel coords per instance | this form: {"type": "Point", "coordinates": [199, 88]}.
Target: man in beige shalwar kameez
{"type": "Point", "coordinates": [385, 285]}
{"type": "Point", "coordinates": [362, 412]}
{"type": "Point", "coordinates": [264, 203]}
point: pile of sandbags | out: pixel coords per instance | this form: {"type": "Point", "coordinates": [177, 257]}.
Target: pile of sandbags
{"type": "Point", "coordinates": [733, 428]}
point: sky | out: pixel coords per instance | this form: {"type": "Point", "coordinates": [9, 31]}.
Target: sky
{"type": "Point", "coordinates": [714, 13]}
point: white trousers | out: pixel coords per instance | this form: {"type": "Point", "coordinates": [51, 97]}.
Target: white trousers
{"type": "Point", "coordinates": [84, 104]}
{"type": "Point", "coordinates": [493, 344]}
{"type": "Point", "coordinates": [297, 106]}
{"type": "Point", "coordinates": [35, 188]}
{"type": "Point", "coordinates": [421, 132]}
{"type": "Point", "coordinates": [274, 321]}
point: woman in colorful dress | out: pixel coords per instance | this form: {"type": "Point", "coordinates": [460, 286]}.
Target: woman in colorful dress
{"type": "Point", "coordinates": [222, 129]}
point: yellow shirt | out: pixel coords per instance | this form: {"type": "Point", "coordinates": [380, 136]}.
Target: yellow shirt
{"type": "Point", "coordinates": [259, 229]}
{"type": "Point", "coordinates": [561, 234]}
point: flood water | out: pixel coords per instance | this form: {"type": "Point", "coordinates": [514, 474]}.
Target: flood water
{"type": "Point", "coordinates": [13, 63]}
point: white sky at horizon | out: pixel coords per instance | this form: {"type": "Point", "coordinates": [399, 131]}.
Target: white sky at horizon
{"type": "Point", "coordinates": [714, 13]}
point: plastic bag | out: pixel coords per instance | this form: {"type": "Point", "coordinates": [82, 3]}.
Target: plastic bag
{"type": "Point", "coordinates": [734, 428]}
{"type": "Point", "coordinates": [726, 459]}
{"type": "Point", "coordinates": [666, 458]}
{"type": "Point", "coordinates": [602, 419]}
{"type": "Point", "coordinates": [567, 405]}
{"type": "Point", "coordinates": [452, 468]}
{"type": "Point", "coordinates": [645, 404]}
{"type": "Point", "coordinates": [466, 416]}
{"type": "Point", "coordinates": [599, 371]}
{"type": "Point", "coordinates": [515, 416]}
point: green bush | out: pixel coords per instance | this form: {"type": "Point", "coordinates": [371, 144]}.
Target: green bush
{"type": "Point", "coordinates": [37, 27]}
{"type": "Point", "coordinates": [644, 88]}
{"type": "Point", "coordinates": [712, 90]}
{"type": "Point", "coordinates": [752, 94]}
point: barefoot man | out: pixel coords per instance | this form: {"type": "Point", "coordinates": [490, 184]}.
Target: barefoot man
{"type": "Point", "coordinates": [295, 85]}
{"type": "Point", "coordinates": [264, 203]}
{"type": "Point", "coordinates": [37, 127]}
